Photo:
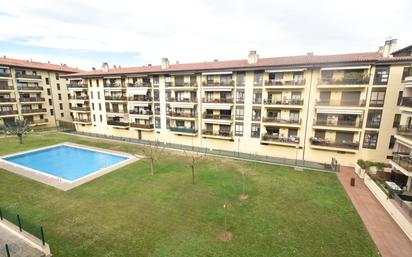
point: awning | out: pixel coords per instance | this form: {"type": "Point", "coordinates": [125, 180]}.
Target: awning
{"type": "Point", "coordinates": [217, 73]}
{"type": "Point", "coordinates": [181, 105]}
{"type": "Point", "coordinates": [217, 106]}
{"type": "Point", "coordinates": [365, 67]}
{"type": "Point", "coordinates": [139, 105]}
{"type": "Point", "coordinates": [217, 88]}
{"type": "Point", "coordinates": [287, 70]}
{"type": "Point", "coordinates": [137, 91]}
{"type": "Point", "coordinates": [339, 111]}
{"type": "Point", "coordinates": [221, 122]}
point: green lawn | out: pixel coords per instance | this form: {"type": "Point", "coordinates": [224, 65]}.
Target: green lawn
{"type": "Point", "coordinates": [129, 213]}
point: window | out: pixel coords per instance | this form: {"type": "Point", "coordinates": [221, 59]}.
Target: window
{"type": "Point", "coordinates": [400, 95]}
{"type": "Point", "coordinates": [193, 80]}
{"type": "Point", "coordinates": [392, 142]}
{"type": "Point", "coordinates": [226, 79]}
{"type": "Point", "coordinates": [101, 118]}
{"type": "Point", "coordinates": [47, 81]}
{"type": "Point", "coordinates": [240, 111]}
{"type": "Point", "coordinates": [374, 118]}
{"type": "Point", "coordinates": [407, 72]}
{"type": "Point", "coordinates": [239, 129]}
{"type": "Point", "coordinates": [256, 114]}
{"type": "Point", "coordinates": [97, 82]}
{"type": "Point", "coordinates": [255, 131]}
{"type": "Point", "coordinates": [156, 80]}
{"type": "Point", "coordinates": [94, 117]}
{"type": "Point", "coordinates": [258, 79]}
{"type": "Point", "coordinates": [377, 97]}
{"type": "Point", "coordinates": [370, 140]}
{"type": "Point", "coordinates": [57, 76]}
{"type": "Point", "coordinates": [396, 121]}
{"type": "Point", "coordinates": [48, 91]}
{"type": "Point", "coordinates": [298, 77]}
{"type": "Point", "coordinates": [157, 123]}
{"type": "Point", "coordinates": [292, 132]}
{"type": "Point", "coordinates": [50, 102]}
{"type": "Point", "coordinates": [381, 75]}
{"type": "Point", "coordinates": [98, 95]}
{"type": "Point", "coordinates": [320, 134]}
{"type": "Point", "coordinates": [294, 116]}
{"type": "Point", "coordinates": [92, 106]}
{"type": "Point", "coordinates": [100, 106]}
{"type": "Point", "coordinates": [60, 96]}
{"type": "Point", "coordinates": [91, 94]}
{"type": "Point", "coordinates": [240, 96]}
{"type": "Point", "coordinates": [58, 86]}
{"type": "Point", "coordinates": [61, 106]}
{"type": "Point", "coordinates": [62, 115]}
{"type": "Point", "coordinates": [257, 97]}
{"type": "Point", "coordinates": [240, 79]}
{"type": "Point", "coordinates": [51, 112]}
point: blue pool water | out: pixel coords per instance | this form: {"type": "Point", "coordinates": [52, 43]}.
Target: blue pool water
{"type": "Point", "coordinates": [66, 162]}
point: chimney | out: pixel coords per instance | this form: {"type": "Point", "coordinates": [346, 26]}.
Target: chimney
{"type": "Point", "coordinates": [392, 46]}
{"type": "Point", "coordinates": [93, 68]}
{"type": "Point", "coordinates": [165, 63]}
{"type": "Point", "coordinates": [253, 57]}
{"type": "Point", "coordinates": [386, 48]}
{"type": "Point", "coordinates": [309, 53]}
{"type": "Point", "coordinates": [150, 65]}
{"type": "Point", "coordinates": [105, 67]}
{"type": "Point", "coordinates": [216, 60]}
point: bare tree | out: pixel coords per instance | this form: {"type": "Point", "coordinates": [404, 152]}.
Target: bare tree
{"type": "Point", "coordinates": [194, 160]}
{"type": "Point", "coordinates": [18, 128]}
{"type": "Point", "coordinates": [152, 153]}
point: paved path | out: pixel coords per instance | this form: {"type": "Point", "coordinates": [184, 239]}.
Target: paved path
{"type": "Point", "coordinates": [17, 247]}
{"type": "Point", "coordinates": [389, 238]}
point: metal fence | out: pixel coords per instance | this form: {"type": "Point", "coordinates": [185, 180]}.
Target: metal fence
{"type": "Point", "coordinates": [334, 167]}
{"type": "Point", "coordinates": [23, 224]}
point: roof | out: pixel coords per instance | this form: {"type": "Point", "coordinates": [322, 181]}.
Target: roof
{"type": "Point", "coordinates": [300, 60]}
{"type": "Point", "coordinates": [36, 65]}
{"type": "Point", "coordinates": [407, 49]}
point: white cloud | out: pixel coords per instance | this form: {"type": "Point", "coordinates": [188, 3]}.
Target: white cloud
{"type": "Point", "coordinates": [200, 30]}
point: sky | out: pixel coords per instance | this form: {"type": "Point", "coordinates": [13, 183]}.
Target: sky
{"type": "Point", "coordinates": [86, 33]}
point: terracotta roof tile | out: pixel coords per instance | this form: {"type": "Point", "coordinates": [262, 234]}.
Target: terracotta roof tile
{"type": "Point", "coordinates": [36, 65]}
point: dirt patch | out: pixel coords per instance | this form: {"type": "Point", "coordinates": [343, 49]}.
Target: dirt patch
{"type": "Point", "coordinates": [243, 197]}
{"type": "Point", "coordinates": [225, 236]}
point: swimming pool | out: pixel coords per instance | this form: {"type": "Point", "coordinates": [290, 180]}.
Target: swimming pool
{"type": "Point", "coordinates": [67, 162]}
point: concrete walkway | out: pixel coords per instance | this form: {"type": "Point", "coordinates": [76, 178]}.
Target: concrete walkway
{"type": "Point", "coordinates": [388, 237]}
{"type": "Point", "coordinates": [17, 246]}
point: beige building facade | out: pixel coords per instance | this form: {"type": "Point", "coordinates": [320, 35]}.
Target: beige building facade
{"type": "Point", "coordinates": [309, 107]}
{"type": "Point", "coordinates": [34, 92]}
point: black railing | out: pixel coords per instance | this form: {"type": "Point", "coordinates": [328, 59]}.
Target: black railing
{"type": "Point", "coordinates": [361, 80]}
{"type": "Point", "coordinates": [283, 102]}
{"type": "Point", "coordinates": [117, 123]}
{"type": "Point", "coordinates": [334, 144]}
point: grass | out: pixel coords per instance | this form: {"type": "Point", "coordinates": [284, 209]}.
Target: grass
{"type": "Point", "coordinates": [131, 213]}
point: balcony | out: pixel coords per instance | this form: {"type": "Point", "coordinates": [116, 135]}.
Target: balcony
{"type": "Point", "coordinates": [26, 111]}
{"type": "Point", "coordinates": [121, 124]}
{"type": "Point", "coordinates": [142, 126]}
{"type": "Point", "coordinates": [29, 88]}
{"type": "Point", "coordinates": [121, 98]}
{"type": "Point", "coordinates": [32, 99]}
{"type": "Point", "coordinates": [276, 139]}
{"type": "Point", "coordinates": [218, 100]}
{"type": "Point", "coordinates": [39, 122]}
{"type": "Point", "coordinates": [182, 100]}
{"type": "Point", "coordinates": [286, 102]}
{"type": "Point", "coordinates": [405, 131]}
{"type": "Point", "coordinates": [6, 87]}
{"type": "Point", "coordinates": [5, 75]}
{"type": "Point", "coordinates": [185, 84]}
{"type": "Point", "coordinates": [141, 98]}
{"type": "Point", "coordinates": [321, 143]}
{"type": "Point", "coordinates": [182, 115]}
{"type": "Point", "coordinates": [80, 98]}
{"type": "Point", "coordinates": [218, 84]}
{"type": "Point", "coordinates": [282, 121]}
{"type": "Point", "coordinates": [342, 103]}
{"type": "Point", "coordinates": [82, 121]}
{"type": "Point", "coordinates": [28, 76]}
{"type": "Point", "coordinates": [217, 134]}
{"type": "Point", "coordinates": [7, 113]}
{"type": "Point", "coordinates": [80, 109]}
{"type": "Point", "coordinates": [140, 112]}
{"type": "Point", "coordinates": [117, 111]}
{"type": "Point", "coordinates": [284, 83]}
{"type": "Point", "coordinates": [403, 160]}
{"type": "Point", "coordinates": [217, 116]}
{"type": "Point", "coordinates": [183, 130]}
{"type": "Point", "coordinates": [240, 83]}
{"type": "Point", "coordinates": [139, 84]}
{"type": "Point", "coordinates": [338, 124]}
{"type": "Point", "coordinates": [355, 81]}
{"type": "Point", "coordinates": [406, 101]}
{"type": "Point", "coordinates": [77, 86]}
{"type": "Point", "coordinates": [7, 100]}
{"type": "Point", "coordinates": [114, 86]}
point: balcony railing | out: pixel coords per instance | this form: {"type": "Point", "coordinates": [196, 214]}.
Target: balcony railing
{"type": "Point", "coordinates": [23, 88]}
{"type": "Point", "coordinates": [406, 101]}
{"type": "Point", "coordinates": [114, 85]}
{"type": "Point", "coordinates": [362, 80]}
{"type": "Point", "coordinates": [141, 112]}
{"type": "Point", "coordinates": [217, 116]}
{"type": "Point", "coordinates": [37, 122]}
{"type": "Point", "coordinates": [404, 160]}
{"type": "Point", "coordinates": [28, 76]}
{"type": "Point", "coordinates": [140, 84]}
{"type": "Point", "coordinates": [182, 114]}
{"type": "Point", "coordinates": [257, 100]}
{"type": "Point", "coordinates": [141, 98]}
{"type": "Point", "coordinates": [183, 130]}
{"type": "Point", "coordinates": [277, 138]}
{"type": "Point", "coordinates": [328, 143]}
{"type": "Point", "coordinates": [338, 123]}
{"type": "Point", "coordinates": [185, 84]}
{"type": "Point", "coordinates": [7, 100]}
{"type": "Point", "coordinates": [84, 97]}
{"type": "Point", "coordinates": [283, 102]}
{"type": "Point", "coordinates": [82, 120]}
{"type": "Point", "coordinates": [220, 133]}
{"type": "Point", "coordinates": [32, 99]}
{"type": "Point", "coordinates": [217, 84]}
{"type": "Point", "coordinates": [118, 123]}
{"type": "Point", "coordinates": [240, 83]}
{"type": "Point", "coordinates": [83, 109]}
{"type": "Point", "coordinates": [116, 98]}
{"type": "Point", "coordinates": [117, 111]}
{"type": "Point", "coordinates": [285, 82]}
{"type": "Point", "coordinates": [33, 110]}
{"type": "Point", "coordinates": [5, 74]}
{"type": "Point", "coordinates": [218, 100]}
{"type": "Point", "coordinates": [6, 87]}
{"type": "Point", "coordinates": [405, 131]}
{"type": "Point", "coordinates": [281, 121]}
{"type": "Point", "coordinates": [77, 85]}
{"type": "Point", "coordinates": [13, 112]}
{"type": "Point", "coordinates": [142, 126]}
{"type": "Point", "coordinates": [350, 103]}
{"type": "Point", "coordinates": [183, 100]}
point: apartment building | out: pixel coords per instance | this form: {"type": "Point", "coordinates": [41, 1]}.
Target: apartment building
{"type": "Point", "coordinates": [310, 107]}
{"type": "Point", "coordinates": [33, 91]}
